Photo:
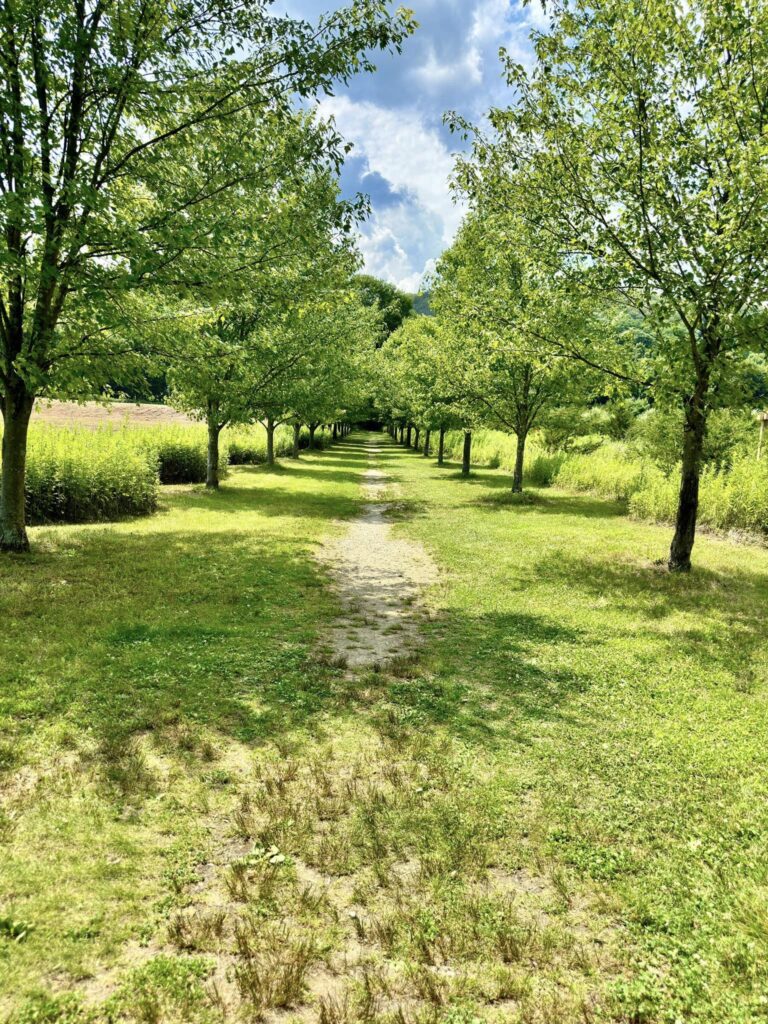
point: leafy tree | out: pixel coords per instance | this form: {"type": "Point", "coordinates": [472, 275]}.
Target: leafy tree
{"type": "Point", "coordinates": [111, 143]}
{"type": "Point", "coordinates": [393, 306]}
{"type": "Point", "coordinates": [500, 307]}
{"type": "Point", "coordinates": [330, 335]}
{"type": "Point", "coordinates": [634, 156]}
{"type": "Point", "coordinates": [290, 239]}
{"type": "Point", "coordinates": [416, 383]}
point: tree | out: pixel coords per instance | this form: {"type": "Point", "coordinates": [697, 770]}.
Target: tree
{"type": "Point", "coordinates": [109, 125]}
{"type": "Point", "coordinates": [290, 237]}
{"type": "Point", "coordinates": [635, 156]}
{"type": "Point", "coordinates": [416, 384]}
{"type": "Point", "coordinates": [501, 308]}
{"type": "Point", "coordinates": [338, 333]}
{"type": "Point", "coordinates": [393, 306]}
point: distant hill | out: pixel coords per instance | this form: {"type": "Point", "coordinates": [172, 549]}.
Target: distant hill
{"type": "Point", "coordinates": [421, 304]}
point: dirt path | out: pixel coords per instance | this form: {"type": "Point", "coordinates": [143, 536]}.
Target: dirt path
{"type": "Point", "coordinates": [379, 579]}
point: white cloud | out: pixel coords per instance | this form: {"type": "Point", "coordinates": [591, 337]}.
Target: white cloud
{"type": "Point", "coordinates": [399, 241]}
{"type": "Point", "coordinates": [435, 76]}
{"type": "Point", "coordinates": [400, 147]}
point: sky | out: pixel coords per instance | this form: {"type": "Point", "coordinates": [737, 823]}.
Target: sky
{"type": "Point", "coordinates": [403, 153]}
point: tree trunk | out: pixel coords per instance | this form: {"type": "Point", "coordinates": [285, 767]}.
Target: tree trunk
{"type": "Point", "coordinates": [296, 440]}
{"type": "Point", "coordinates": [17, 409]}
{"type": "Point", "coordinates": [416, 436]}
{"type": "Point", "coordinates": [312, 429]}
{"type": "Point", "coordinates": [441, 448]}
{"type": "Point", "coordinates": [402, 433]}
{"type": "Point", "coordinates": [467, 456]}
{"type": "Point", "coordinates": [335, 431]}
{"type": "Point", "coordinates": [517, 479]}
{"type": "Point", "coordinates": [427, 439]}
{"type": "Point", "coordinates": [214, 430]}
{"type": "Point", "coordinates": [408, 436]}
{"type": "Point", "coordinates": [688, 501]}
{"type": "Point", "coordinates": [270, 441]}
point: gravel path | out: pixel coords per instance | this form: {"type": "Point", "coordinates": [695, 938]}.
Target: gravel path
{"type": "Point", "coordinates": [379, 579]}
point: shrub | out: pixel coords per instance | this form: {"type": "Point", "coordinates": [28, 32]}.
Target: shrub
{"type": "Point", "coordinates": [77, 475]}
{"type": "Point", "coordinates": [181, 452]}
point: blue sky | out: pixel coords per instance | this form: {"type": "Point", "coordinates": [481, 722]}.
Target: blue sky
{"type": "Point", "coordinates": [403, 154]}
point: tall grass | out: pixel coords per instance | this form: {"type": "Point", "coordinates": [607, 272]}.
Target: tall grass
{"type": "Point", "coordinates": [497, 450]}
{"type": "Point", "coordinates": [609, 472]}
{"type": "Point", "coordinates": [79, 475]}
{"type": "Point", "coordinates": [735, 499]}
{"type": "Point", "coordinates": [76, 475]}
{"type": "Point", "coordinates": [731, 498]}
{"type": "Point", "coordinates": [181, 452]}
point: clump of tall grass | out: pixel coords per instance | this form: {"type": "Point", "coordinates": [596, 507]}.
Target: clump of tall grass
{"type": "Point", "coordinates": [247, 445]}
{"type": "Point", "coordinates": [728, 499]}
{"type": "Point", "coordinates": [496, 450]}
{"type": "Point", "coordinates": [609, 472]}
{"type": "Point", "coordinates": [733, 496]}
{"type": "Point", "coordinates": [78, 475]}
{"type": "Point", "coordinates": [180, 452]}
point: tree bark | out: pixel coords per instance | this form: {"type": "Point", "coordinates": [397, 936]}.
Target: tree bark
{"type": "Point", "coordinates": [335, 431]}
{"type": "Point", "coordinates": [17, 409]}
{"type": "Point", "coordinates": [466, 462]}
{"type": "Point", "coordinates": [214, 430]}
{"type": "Point", "coordinates": [688, 502]}
{"type": "Point", "coordinates": [408, 433]}
{"type": "Point", "coordinates": [441, 448]}
{"type": "Point", "coordinates": [416, 436]}
{"type": "Point", "coordinates": [296, 440]}
{"type": "Point", "coordinates": [427, 439]}
{"type": "Point", "coordinates": [517, 479]}
{"type": "Point", "coordinates": [402, 433]}
{"type": "Point", "coordinates": [270, 441]}
{"type": "Point", "coordinates": [312, 429]}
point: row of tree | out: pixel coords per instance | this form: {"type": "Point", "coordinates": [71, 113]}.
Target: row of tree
{"type": "Point", "coordinates": [164, 206]}
{"type": "Point", "coordinates": [617, 234]}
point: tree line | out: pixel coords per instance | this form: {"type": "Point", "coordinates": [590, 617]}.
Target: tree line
{"type": "Point", "coordinates": [168, 204]}
{"type": "Point", "coordinates": [615, 245]}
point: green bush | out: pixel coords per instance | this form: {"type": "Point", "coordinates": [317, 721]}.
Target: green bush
{"type": "Point", "coordinates": [181, 452]}
{"type": "Point", "coordinates": [77, 475]}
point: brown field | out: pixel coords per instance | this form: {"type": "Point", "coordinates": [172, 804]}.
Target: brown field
{"type": "Point", "coordinates": [98, 414]}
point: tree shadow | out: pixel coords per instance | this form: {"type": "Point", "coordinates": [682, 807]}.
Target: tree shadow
{"type": "Point", "coordinates": [555, 503]}
{"type": "Point", "coordinates": [485, 684]}
{"type": "Point", "coordinates": [269, 501]}
{"type": "Point", "coordinates": [724, 608]}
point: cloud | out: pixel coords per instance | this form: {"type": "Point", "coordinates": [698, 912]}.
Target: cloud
{"type": "Point", "coordinates": [406, 167]}
{"type": "Point", "coordinates": [402, 155]}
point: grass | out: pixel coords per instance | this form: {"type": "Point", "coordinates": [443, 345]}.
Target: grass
{"type": "Point", "coordinates": [556, 813]}
{"type": "Point", "coordinates": [733, 497]}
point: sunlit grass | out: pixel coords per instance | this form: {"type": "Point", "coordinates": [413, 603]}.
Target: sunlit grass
{"type": "Point", "coordinates": [556, 813]}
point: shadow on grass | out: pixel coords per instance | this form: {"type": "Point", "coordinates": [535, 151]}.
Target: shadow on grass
{"type": "Point", "coordinates": [554, 504]}
{"type": "Point", "coordinates": [727, 607]}
{"type": "Point", "coordinates": [489, 687]}
{"type": "Point", "coordinates": [269, 501]}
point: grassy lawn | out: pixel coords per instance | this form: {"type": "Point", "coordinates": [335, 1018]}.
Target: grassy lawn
{"type": "Point", "coordinates": [556, 814]}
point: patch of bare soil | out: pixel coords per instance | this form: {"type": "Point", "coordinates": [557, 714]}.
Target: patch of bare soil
{"type": "Point", "coordinates": [111, 414]}
{"type": "Point", "coordinates": [380, 579]}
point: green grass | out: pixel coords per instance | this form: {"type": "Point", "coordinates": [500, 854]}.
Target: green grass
{"type": "Point", "coordinates": [557, 813]}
